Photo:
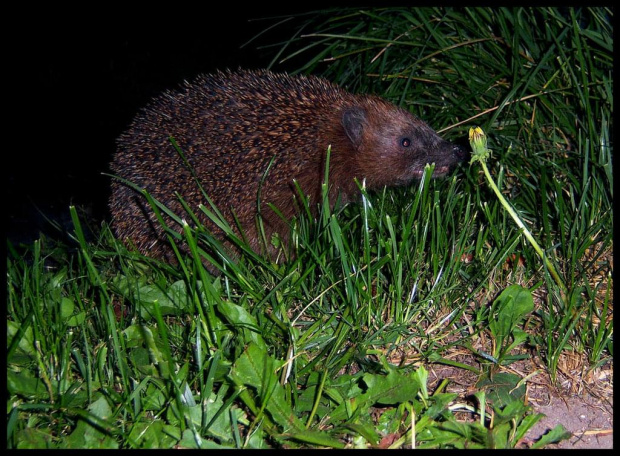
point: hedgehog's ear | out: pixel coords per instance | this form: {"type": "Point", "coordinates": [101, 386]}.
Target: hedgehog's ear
{"type": "Point", "coordinates": [354, 121]}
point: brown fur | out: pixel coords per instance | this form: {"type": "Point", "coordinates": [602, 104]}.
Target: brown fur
{"type": "Point", "coordinates": [231, 126]}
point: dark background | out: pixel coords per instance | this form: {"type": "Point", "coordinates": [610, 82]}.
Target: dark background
{"type": "Point", "coordinates": [80, 76]}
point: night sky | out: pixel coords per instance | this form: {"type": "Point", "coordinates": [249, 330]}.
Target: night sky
{"type": "Point", "coordinates": [86, 74]}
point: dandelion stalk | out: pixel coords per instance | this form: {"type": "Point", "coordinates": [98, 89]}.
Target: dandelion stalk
{"type": "Point", "coordinates": [478, 142]}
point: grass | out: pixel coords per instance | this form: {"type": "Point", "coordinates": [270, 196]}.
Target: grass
{"type": "Point", "coordinates": [110, 349]}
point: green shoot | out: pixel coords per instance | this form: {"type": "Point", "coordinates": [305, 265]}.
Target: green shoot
{"type": "Point", "coordinates": [481, 153]}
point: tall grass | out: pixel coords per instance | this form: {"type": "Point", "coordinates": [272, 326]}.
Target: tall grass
{"type": "Point", "coordinates": [540, 80]}
{"type": "Point", "coordinates": [107, 348]}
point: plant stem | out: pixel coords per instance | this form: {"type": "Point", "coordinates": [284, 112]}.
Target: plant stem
{"type": "Point", "coordinates": [481, 153]}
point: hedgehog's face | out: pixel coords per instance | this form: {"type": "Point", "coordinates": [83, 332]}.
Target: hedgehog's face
{"type": "Point", "coordinates": [393, 147]}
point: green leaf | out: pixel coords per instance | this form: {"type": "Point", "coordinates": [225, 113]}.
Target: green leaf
{"type": "Point", "coordinates": [393, 388]}
{"type": "Point", "coordinates": [507, 312]}
{"type": "Point", "coordinates": [153, 434]}
{"type": "Point", "coordinates": [172, 300]}
{"type": "Point", "coordinates": [438, 404]}
{"type": "Point", "coordinates": [238, 316]}
{"type": "Point", "coordinates": [555, 435]}
{"type": "Point", "coordinates": [154, 399]}
{"type": "Point", "coordinates": [25, 351]}
{"type": "Point", "coordinates": [526, 424]}
{"type": "Point", "coordinates": [510, 307]}
{"type": "Point", "coordinates": [391, 420]}
{"type": "Point", "coordinates": [257, 370]}
{"type": "Point", "coordinates": [66, 308]}
{"type": "Point", "coordinates": [497, 437]}
{"type": "Point", "coordinates": [24, 384]}
{"type": "Point", "coordinates": [188, 440]}
{"type": "Point", "coordinates": [93, 429]}
{"type": "Point", "coordinates": [77, 319]}
{"type": "Point", "coordinates": [501, 388]}
{"type": "Point", "coordinates": [35, 439]}
{"type": "Point", "coordinates": [217, 415]}
{"type": "Point", "coordinates": [453, 434]}
{"type": "Point", "coordinates": [366, 430]}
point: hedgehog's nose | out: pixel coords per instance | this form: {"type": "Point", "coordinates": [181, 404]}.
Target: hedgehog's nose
{"type": "Point", "coordinates": [460, 153]}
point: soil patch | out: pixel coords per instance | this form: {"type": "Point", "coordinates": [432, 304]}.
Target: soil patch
{"type": "Point", "coordinates": [589, 419]}
{"type": "Point", "coordinates": [581, 400]}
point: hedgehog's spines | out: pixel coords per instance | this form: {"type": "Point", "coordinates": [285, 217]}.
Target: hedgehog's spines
{"type": "Point", "coordinates": [232, 125]}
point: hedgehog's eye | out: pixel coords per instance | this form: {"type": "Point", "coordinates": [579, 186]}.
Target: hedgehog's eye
{"type": "Point", "coordinates": [405, 142]}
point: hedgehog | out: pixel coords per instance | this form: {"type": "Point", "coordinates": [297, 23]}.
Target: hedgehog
{"type": "Point", "coordinates": [250, 140]}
